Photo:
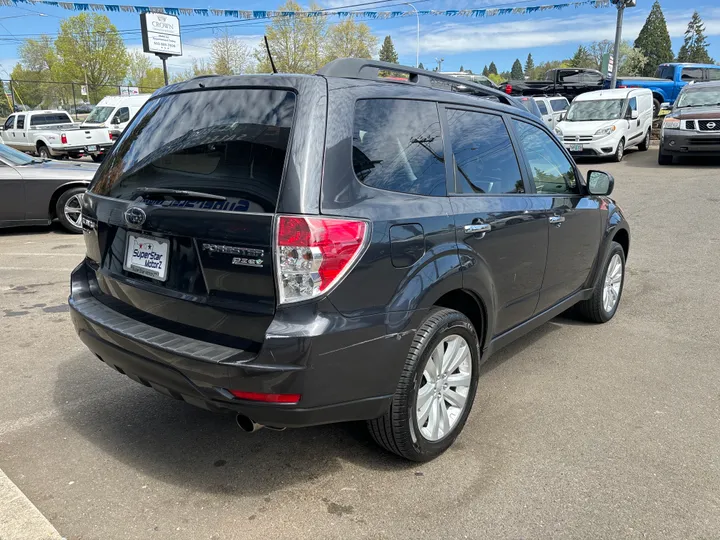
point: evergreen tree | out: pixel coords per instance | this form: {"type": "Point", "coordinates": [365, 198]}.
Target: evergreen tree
{"type": "Point", "coordinates": [694, 48]}
{"type": "Point", "coordinates": [529, 65]}
{"type": "Point", "coordinates": [654, 41]}
{"type": "Point", "coordinates": [582, 58]}
{"type": "Point", "coordinates": [517, 71]}
{"type": "Point", "coordinates": [492, 69]}
{"type": "Point", "coordinates": [461, 68]}
{"type": "Point", "coordinates": [421, 66]}
{"type": "Point", "coordinates": [388, 52]}
{"type": "Point", "coordinates": [485, 71]}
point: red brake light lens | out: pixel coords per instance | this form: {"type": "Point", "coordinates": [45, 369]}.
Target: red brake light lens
{"type": "Point", "coordinates": [508, 88]}
{"type": "Point", "coordinates": [313, 254]}
{"type": "Point", "coordinates": [266, 398]}
{"type": "Point", "coordinates": [63, 138]}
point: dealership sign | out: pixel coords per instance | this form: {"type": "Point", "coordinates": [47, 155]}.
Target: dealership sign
{"type": "Point", "coordinates": [161, 34]}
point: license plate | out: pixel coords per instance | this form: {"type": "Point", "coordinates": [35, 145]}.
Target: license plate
{"type": "Point", "coordinates": [576, 147]}
{"type": "Point", "coordinates": [147, 256]}
{"type": "Point", "coordinates": [92, 148]}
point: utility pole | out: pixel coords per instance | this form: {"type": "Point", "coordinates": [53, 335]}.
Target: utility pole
{"type": "Point", "coordinates": [439, 63]}
{"type": "Point", "coordinates": [621, 5]}
{"type": "Point", "coordinates": [417, 37]}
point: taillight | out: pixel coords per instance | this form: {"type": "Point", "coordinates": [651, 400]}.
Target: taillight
{"type": "Point", "coordinates": [313, 254]}
{"type": "Point", "coordinates": [63, 138]}
{"type": "Point", "coordinates": [508, 88]}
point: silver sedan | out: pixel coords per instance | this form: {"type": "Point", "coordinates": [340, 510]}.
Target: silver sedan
{"type": "Point", "coordinates": [36, 191]}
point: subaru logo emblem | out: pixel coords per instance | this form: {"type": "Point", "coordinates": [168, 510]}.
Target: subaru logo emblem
{"type": "Point", "coordinates": [135, 216]}
{"type": "Point", "coordinates": [711, 125]}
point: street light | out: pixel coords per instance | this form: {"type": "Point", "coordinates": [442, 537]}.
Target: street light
{"type": "Point", "coordinates": [417, 41]}
{"type": "Point", "coordinates": [621, 5]}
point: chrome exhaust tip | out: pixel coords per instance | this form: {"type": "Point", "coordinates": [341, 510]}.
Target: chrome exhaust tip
{"type": "Point", "coordinates": [246, 424]}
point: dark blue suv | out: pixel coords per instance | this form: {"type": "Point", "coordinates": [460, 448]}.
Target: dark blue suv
{"type": "Point", "coordinates": [302, 250]}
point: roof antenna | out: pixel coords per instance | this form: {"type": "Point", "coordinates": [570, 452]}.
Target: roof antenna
{"type": "Point", "coordinates": [267, 46]}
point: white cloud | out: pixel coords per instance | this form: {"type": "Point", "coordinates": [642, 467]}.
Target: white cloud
{"type": "Point", "coordinates": [526, 34]}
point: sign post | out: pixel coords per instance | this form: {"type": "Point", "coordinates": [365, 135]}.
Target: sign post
{"type": "Point", "coordinates": [161, 37]}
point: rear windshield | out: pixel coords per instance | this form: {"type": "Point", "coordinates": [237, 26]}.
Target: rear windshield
{"type": "Point", "coordinates": [220, 142]}
{"type": "Point", "coordinates": [49, 119]}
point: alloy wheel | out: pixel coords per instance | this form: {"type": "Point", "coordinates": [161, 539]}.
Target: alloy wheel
{"type": "Point", "coordinates": [613, 283]}
{"type": "Point", "coordinates": [73, 210]}
{"type": "Point", "coordinates": [444, 388]}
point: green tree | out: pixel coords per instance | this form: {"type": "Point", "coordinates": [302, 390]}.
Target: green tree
{"type": "Point", "coordinates": [653, 41]}
{"type": "Point", "coordinates": [349, 39]}
{"type": "Point", "coordinates": [497, 79]}
{"type": "Point", "coordinates": [138, 65]}
{"type": "Point", "coordinates": [583, 59]}
{"type": "Point", "coordinates": [633, 61]}
{"type": "Point", "coordinates": [492, 70]}
{"type": "Point", "coordinates": [28, 86]}
{"type": "Point", "coordinates": [599, 48]}
{"type": "Point", "coordinates": [485, 71]}
{"type": "Point", "coordinates": [516, 73]}
{"type": "Point", "coordinates": [230, 56]}
{"type": "Point", "coordinates": [152, 80]}
{"type": "Point", "coordinates": [388, 52]}
{"type": "Point", "coordinates": [89, 48]}
{"type": "Point", "coordinates": [421, 66]}
{"type": "Point", "coordinates": [694, 48]}
{"type": "Point", "coordinates": [297, 44]}
{"type": "Point", "coordinates": [461, 68]}
{"type": "Point", "coordinates": [529, 65]}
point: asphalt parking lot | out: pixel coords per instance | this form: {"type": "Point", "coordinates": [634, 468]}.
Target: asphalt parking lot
{"type": "Point", "coordinates": [578, 431]}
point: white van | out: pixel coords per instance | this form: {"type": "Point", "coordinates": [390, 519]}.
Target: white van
{"type": "Point", "coordinates": [115, 112]}
{"type": "Point", "coordinates": [606, 122]}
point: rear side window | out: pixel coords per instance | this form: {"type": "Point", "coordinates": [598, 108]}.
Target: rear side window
{"type": "Point", "coordinates": [542, 107]}
{"type": "Point", "coordinates": [483, 155]}
{"type": "Point", "coordinates": [692, 74]}
{"type": "Point", "coordinates": [21, 121]}
{"type": "Point", "coordinates": [397, 146]}
{"type": "Point", "coordinates": [558, 105]}
{"type": "Point", "coordinates": [223, 142]}
{"type": "Point", "coordinates": [570, 77]}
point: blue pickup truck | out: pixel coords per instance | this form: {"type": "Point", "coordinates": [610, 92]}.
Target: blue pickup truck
{"type": "Point", "coordinates": [669, 80]}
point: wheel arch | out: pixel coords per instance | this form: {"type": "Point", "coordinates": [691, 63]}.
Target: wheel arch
{"type": "Point", "coordinates": [59, 191]}
{"type": "Point", "coordinates": [622, 237]}
{"type": "Point", "coordinates": [472, 307]}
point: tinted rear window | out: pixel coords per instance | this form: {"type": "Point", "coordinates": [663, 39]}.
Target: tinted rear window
{"type": "Point", "coordinates": [223, 142]}
{"type": "Point", "coordinates": [397, 146]}
{"type": "Point", "coordinates": [49, 119]}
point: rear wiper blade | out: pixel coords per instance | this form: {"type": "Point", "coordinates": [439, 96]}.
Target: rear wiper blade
{"type": "Point", "coordinates": [181, 193]}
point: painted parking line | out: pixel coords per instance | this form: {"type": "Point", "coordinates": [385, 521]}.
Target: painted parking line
{"type": "Point", "coordinates": [35, 268]}
{"type": "Point", "coordinates": [19, 518]}
{"type": "Point", "coordinates": [16, 254]}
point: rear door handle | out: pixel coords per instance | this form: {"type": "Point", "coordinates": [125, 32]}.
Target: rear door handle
{"type": "Point", "coordinates": [477, 228]}
{"type": "Point", "coordinates": [557, 220]}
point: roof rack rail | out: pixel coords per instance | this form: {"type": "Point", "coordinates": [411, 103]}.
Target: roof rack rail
{"type": "Point", "coordinates": [362, 68]}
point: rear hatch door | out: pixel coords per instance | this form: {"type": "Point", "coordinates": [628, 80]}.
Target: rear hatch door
{"type": "Point", "coordinates": [180, 217]}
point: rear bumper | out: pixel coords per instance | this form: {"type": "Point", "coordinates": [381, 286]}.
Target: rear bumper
{"type": "Point", "coordinates": [678, 143]}
{"type": "Point", "coordinates": [342, 373]}
{"type": "Point", "coordinates": [101, 149]}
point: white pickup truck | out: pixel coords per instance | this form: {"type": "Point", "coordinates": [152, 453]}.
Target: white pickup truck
{"type": "Point", "coordinates": [54, 134]}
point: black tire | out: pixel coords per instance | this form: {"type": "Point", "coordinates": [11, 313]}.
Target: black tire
{"type": "Point", "coordinates": [96, 158]}
{"type": "Point", "coordinates": [645, 145]}
{"type": "Point", "coordinates": [60, 210]}
{"type": "Point", "coordinates": [592, 309]}
{"type": "Point", "coordinates": [663, 158]}
{"type": "Point", "coordinates": [619, 152]}
{"type": "Point", "coordinates": [44, 152]}
{"type": "Point", "coordinates": [397, 430]}
{"type": "Point", "coordinates": [656, 108]}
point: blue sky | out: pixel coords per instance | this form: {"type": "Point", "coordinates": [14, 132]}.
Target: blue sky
{"type": "Point", "coordinates": [469, 42]}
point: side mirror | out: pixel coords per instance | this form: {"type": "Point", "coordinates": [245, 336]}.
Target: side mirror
{"type": "Point", "coordinates": [562, 116]}
{"type": "Point", "coordinates": [634, 115]}
{"type": "Point", "coordinates": [600, 183]}
{"type": "Point", "coordinates": [665, 109]}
